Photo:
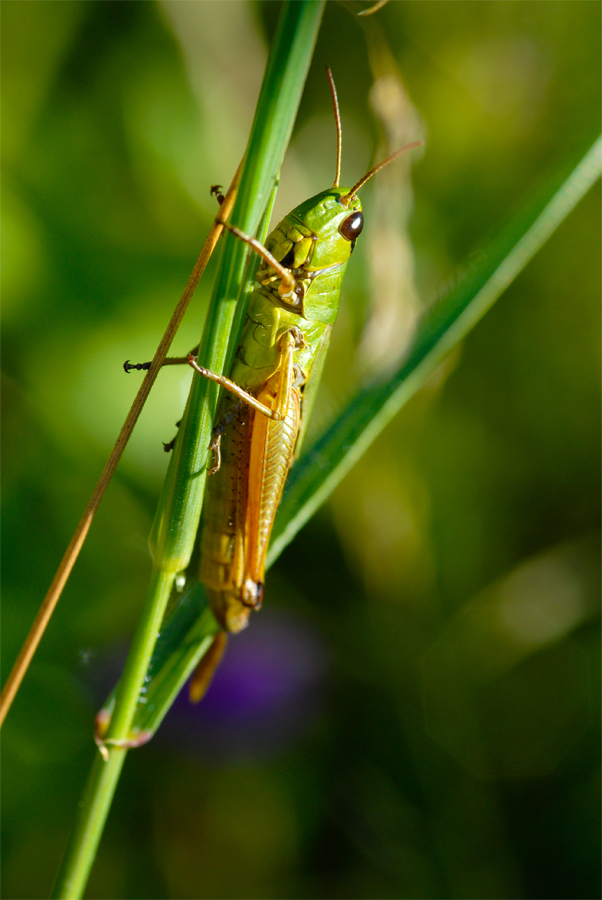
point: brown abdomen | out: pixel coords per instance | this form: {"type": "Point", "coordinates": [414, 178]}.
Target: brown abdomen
{"type": "Point", "coordinates": [242, 500]}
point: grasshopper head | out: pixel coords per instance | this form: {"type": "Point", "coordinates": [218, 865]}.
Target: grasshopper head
{"type": "Point", "coordinates": [335, 216]}
{"type": "Point", "coordinates": [335, 227]}
{"type": "Point", "coordinates": [320, 234]}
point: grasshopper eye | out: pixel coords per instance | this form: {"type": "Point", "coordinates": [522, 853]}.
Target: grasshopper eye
{"type": "Point", "coordinates": [351, 227]}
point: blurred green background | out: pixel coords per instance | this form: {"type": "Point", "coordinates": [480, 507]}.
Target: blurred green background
{"type": "Point", "coordinates": [414, 712]}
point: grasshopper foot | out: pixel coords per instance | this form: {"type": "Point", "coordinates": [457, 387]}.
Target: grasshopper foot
{"type": "Point", "coordinates": [216, 191]}
{"type": "Point", "coordinates": [101, 727]}
{"type": "Point", "coordinates": [170, 445]}
{"type": "Point", "coordinates": [142, 367]}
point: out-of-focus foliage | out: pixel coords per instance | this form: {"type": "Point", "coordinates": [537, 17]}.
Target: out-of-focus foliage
{"type": "Point", "coordinates": [413, 714]}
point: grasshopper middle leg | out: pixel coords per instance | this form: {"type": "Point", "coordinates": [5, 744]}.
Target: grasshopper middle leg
{"type": "Point", "coordinates": [289, 342]}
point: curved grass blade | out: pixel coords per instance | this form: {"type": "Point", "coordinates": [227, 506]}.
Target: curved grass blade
{"type": "Point", "coordinates": [186, 635]}
{"type": "Point", "coordinates": [319, 471]}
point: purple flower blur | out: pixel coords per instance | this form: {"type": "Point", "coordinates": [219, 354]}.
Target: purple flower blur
{"type": "Point", "coordinates": [264, 695]}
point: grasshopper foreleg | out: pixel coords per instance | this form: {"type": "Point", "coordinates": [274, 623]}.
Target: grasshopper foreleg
{"type": "Point", "coordinates": [288, 289]}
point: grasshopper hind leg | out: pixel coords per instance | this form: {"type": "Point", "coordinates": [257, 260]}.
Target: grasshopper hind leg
{"type": "Point", "coordinates": [228, 609]}
{"type": "Point", "coordinates": [251, 594]}
{"type": "Point", "coordinates": [204, 672]}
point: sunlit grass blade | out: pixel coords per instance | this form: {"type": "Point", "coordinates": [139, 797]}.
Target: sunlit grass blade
{"type": "Point", "coordinates": [188, 629]}
{"type": "Point", "coordinates": [186, 635]}
{"type": "Point", "coordinates": [181, 500]}
{"type": "Point", "coordinates": [319, 471]}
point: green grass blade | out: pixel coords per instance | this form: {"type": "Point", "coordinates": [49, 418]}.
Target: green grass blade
{"type": "Point", "coordinates": [187, 631]}
{"type": "Point", "coordinates": [180, 504]}
{"type": "Point", "coordinates": [179, 510]}
{"type": "Point", "coordinates": [319, 471]}
{"type": "Point", "coordinates": [185, 638]}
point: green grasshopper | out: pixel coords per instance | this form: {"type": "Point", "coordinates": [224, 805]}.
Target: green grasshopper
{"type": "Point", "coordinates": [271, 389]}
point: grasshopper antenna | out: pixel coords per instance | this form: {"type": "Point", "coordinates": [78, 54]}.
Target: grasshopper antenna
{"type": "Point", "coordinates": [337, 120]}
{"type": "Point", "coordinates": [346, 200]}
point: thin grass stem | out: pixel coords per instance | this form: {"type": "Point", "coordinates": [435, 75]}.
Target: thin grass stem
{"type": "Point", "coordinates": [317, 473]}
{"type": "Point", "coordinates": [61, 577]}
{"type": "Point", "coordinates": [180, 504]}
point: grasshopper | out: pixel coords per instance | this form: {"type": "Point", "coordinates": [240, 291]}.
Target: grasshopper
{"type": "Point", "coordinates": [272, 385]}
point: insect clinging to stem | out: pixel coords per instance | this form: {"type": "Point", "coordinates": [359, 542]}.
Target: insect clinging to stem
{"type": "Point", "coordinates": [272, 385]}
